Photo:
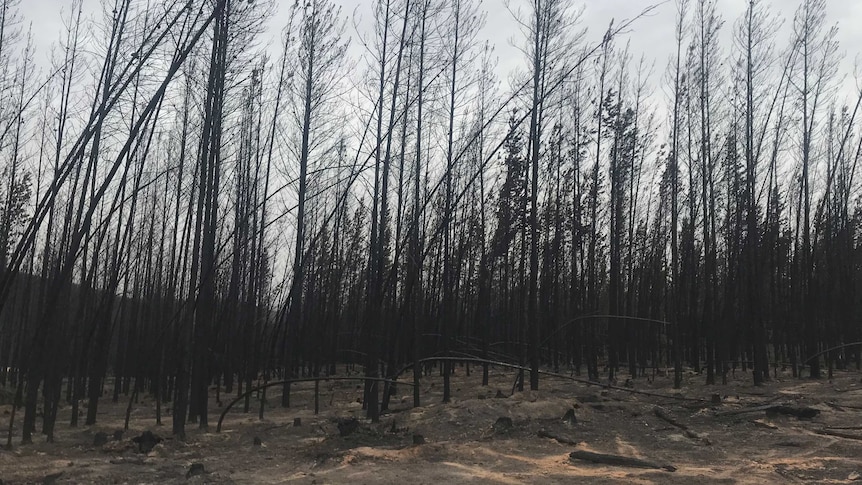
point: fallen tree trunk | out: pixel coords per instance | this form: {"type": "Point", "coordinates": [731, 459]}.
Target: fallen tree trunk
{"type": "Point", "coordinates": [838, 434]}
{"type": "Point", "coordinates": [617, 460]}
{"type": "Point", "coordinates": [796, 411]}
{"type": "Point", "coordinates": [664, 416]}
{"type": "Point", "coordinates": [562, 439]}
{"type": "Point", "coordinates": [786, 409]}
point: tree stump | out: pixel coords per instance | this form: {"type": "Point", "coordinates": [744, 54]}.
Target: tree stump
{"type": "Point", "coordinates": [146, 441]}
{"type": "Point", "coordinates": [569, 418]}
{"type": "Point", "coordinates": [100, 439]}
{"type": "Point", "coordinates": [195, 469]}
{"type": "Point", "coordinates": [503, 424]}
{"type": "Point", "coordinates": [346, 426]}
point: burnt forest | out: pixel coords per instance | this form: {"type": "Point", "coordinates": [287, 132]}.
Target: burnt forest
{"type": "Point", "coordinates": [430, 241]}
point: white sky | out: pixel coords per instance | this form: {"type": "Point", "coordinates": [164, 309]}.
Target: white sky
{"type": "Point", "coordinates": [651, 36]}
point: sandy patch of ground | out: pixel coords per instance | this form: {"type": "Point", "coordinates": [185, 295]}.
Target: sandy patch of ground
{"type": "Point", "coordinates": [722, 444]}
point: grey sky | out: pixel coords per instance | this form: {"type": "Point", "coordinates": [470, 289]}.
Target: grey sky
{"type": "Point", "coordinates": [652, 36]}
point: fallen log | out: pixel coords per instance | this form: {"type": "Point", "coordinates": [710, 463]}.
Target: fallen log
{"type": "Point", "coordinates": [617, 460]}
{"type": "Point", "coordinates": [763, 424]}
{"type": "Point", "coordinates": [786, 409]}
{"type": "Point", "coordinates": [664, 416]}
{"type": "Point", "coordinates": [751, 409]}
{"type": "Point", "coordinates": [798, 412]}
{"type": "Point", "coordinates": [562, 439]}
{"type": "Point", "coordinates": [838, 434]}
{"type": "Point", "coordinates": [835, 407]}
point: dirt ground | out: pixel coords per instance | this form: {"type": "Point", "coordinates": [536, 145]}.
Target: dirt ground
{"type": "Point", "coordinates": [734, 441]}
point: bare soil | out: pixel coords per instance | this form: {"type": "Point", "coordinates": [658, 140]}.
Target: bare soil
{"type": "Point", "coordinates": [734, 441]}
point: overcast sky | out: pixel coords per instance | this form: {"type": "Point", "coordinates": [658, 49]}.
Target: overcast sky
{"type": "Point", "coordinates": [652, 36]}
